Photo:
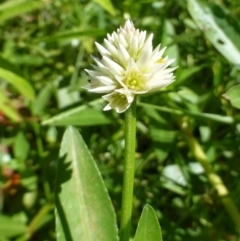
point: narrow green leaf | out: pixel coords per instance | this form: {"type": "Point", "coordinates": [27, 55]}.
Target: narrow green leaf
{"type": "Point", "coordinates": [173, 187]}
{"type": "Point", "coordinates": [80, 116]}
{"type": "Point", "coordinates": [163, 136]}
{"type": "Point", "coordinates": [41, 101]}
{"type": "Point", "coordinates": [185, 36]}
{"type": "Point", "coordinates": [5, 64]}
{"type": "Point", "coordinates": [168, 36]}
{"type": "Point", "coordinates": [42, 217]}
{"type": "Point", "coordinates": [184, 74]}
{"type": "Point", "coordinates": [197, 115]}
{"type": "Point", "coordinates": [219, 27]}
{"type": "Point", "coordinates": [21, 146]}
{"type": "Point", "coordinates": [9, 228]}
{"type": "Point", "coordinates": [233, 95]}
{"type": "Point", "coordinates": [7, 108]}
{"type": "Point", "coordinates": [148, 227]}
{"type": "Point", "coordinates": [83, 208]}
{"type": "Point", "coordinates": [10, 9]}
{"type": "Point", "coordinates": [107, 5]}
{"type": "Point", "coordinates": [21, 84]}
{"type": "Point", "coordinates": [69, 35]}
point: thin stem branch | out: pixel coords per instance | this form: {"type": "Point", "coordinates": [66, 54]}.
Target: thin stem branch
{"type": "Point", "coordinates": [128, 174]}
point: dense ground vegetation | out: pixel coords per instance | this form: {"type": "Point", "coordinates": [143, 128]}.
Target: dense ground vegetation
{"type": "Point", "coordinates": [45, 47]}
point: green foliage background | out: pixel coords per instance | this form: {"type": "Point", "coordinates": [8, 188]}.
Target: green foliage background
{"type": "Point", "coordinates": [45, 47]}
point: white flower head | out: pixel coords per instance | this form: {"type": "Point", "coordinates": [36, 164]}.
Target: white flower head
{"type": "Point", "coordinates": [128, 66]}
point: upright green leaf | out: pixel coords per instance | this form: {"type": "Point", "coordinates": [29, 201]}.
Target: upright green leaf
{"type": "Point", "coordinates": [148, 227]}
{"type": "Point", "coordinates": [233, 95]}
{"type": "Point", "coordinates": [83, 208]}
{"type": "Point", "coordinates": [219, 27]}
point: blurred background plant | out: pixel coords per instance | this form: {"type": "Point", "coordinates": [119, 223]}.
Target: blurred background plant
{"type": "Point", "coordinates": [44, 48]}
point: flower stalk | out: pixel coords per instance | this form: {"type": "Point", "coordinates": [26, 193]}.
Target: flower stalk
{"type": "Point", "coordinates": [128, 66]}
{"type": "Point", "coordinates": [129, 168]}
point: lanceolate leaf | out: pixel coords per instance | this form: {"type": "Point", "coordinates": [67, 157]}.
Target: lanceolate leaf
{"type": "Point", "coordinates": [219, 27]}
{"type": "Point", "coordinates": [148, 227]}
{"type": "Point", "coordinates": [83, 208]}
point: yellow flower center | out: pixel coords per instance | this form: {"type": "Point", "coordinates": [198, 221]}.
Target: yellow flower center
{"type": "Point", "coordinates": [135, 80]}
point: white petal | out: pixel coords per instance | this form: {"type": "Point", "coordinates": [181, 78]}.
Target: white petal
{"type": "Point", "coordinates": [119, 100]}
{"type": "Point", "coordinates": [167, 70]}
{"type": "Point", "coordinates": [115, 68]}
{"type": "Point", "coordinates": [103, 89]}
{"type": "Point", "coordinates": [162, 84]}
{"type": "Point", "coordinates": [162, 51]}
{"type": "Point", "coordinates": [106, 80]}
{"type": "Point", "coordinates": [102, 50]}
{"type": "Point", "coordinates": [142, 37]}
{"type": "Point", "coordinates": [129, 26]}
{"type": "Point", "coordinates": [123, 41]}
{"type": "Point", "coordinates": [133, 48]}
{"type": "Point", "coordinates": [115, 37]}
{"type": "Point", "coordinates": [123, 55]}
{"type": "Point", "coordinates": [109, 37]}
{"type": "Point", "coordinates": [129, 37]}
{"type": "Point", "coordinates": [107, 107]}
{"type": "Point", "coordinates": [111, 48]}
{"type": "Point", "coordinates": [132, 66]}
{"type": "Point", "coordinates": [160, 81]}
{"type": "Point", "coordinates": [169, 62]}
{"type": "Point", "coordinates": [120, 81]}
{"type": "Point", "coordinates": [143, 61]}
{"type": "Point", "coordinates": [148, 44]}
{"type": "Point", "coordinates": [156, 54]}
{"type": "Point", "coordinates": [103, 68]}
{"type": "Point", "coordinates": [93, 73]}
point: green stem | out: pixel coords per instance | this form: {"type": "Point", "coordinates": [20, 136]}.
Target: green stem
{"type": "Point", "coordinates": [214, 179]}
{"type": "Point", "coordinates": [128, 174]}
